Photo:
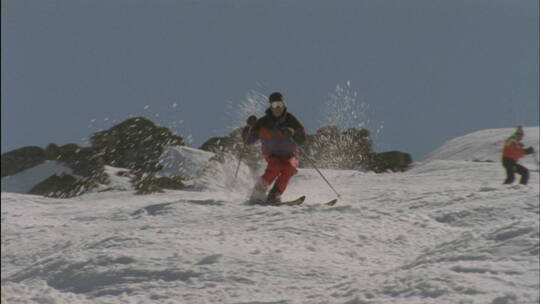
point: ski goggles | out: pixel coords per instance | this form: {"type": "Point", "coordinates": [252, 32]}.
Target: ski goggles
{"type": "Point", "coordinates": [277, 104]}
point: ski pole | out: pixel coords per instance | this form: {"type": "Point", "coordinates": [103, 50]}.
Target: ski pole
{"type": "Point", "coordinates": [238, 165]}
{"type": "Point", "coordinates": [315, 167]}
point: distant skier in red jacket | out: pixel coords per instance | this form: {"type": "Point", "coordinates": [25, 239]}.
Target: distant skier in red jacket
{"type": "Point", "coordinates": [279, 132]}
{"type": "Point", "coordinates": [512, 151]}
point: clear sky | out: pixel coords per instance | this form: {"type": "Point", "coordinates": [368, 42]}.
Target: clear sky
{"type": "Point", "coordinates": [428, 70]}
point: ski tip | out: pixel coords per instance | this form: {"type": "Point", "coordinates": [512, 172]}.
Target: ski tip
{"type": "Point", "coordinates": [332, 202]}
{"type": "Point", "coordinates": [295, 202]}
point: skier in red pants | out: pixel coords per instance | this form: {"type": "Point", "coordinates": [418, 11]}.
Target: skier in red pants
{"type": "Point", "coordinates": [280, 133]}
{"type": "Point", "coordinates": [512, 151]}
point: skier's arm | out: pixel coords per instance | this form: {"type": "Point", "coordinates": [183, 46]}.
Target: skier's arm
{"type": "Point", "coordinates": [299, 135]}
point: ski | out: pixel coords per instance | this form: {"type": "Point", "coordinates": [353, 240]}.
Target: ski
{"type": "Point", "coordinates": [301, 200]}
{"type": "Point", "coordinates": [293, 202]}
{"type": "Point", "coordinates": [331, 203]}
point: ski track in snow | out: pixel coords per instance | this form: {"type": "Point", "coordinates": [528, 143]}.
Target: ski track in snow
{"type": "Point", "coordinates": [443, 232]}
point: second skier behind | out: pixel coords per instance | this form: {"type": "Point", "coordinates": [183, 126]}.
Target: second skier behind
{"type": "Point", "coordinates": [512, 151]}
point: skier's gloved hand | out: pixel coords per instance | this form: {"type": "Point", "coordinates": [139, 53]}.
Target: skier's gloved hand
{"type": "Point", "coordinates": [529, 150]}
{"type": "Point", "coordinates": [287, 132]}
{"type": "Point", "coordinates": [251, 120]}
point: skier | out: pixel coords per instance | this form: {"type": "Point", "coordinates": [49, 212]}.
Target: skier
{"type": "Point", "coordinates": [512, 151]}
{"type": "Point", "coordinates": [280, 133]}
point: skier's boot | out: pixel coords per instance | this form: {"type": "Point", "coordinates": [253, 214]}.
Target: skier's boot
{"type": "Point", "coordinates": [258, 195]}
{"type": "Point", "coordinates": [274, 196]}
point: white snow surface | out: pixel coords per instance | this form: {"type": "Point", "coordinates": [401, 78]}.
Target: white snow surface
{"type": "Point", "coordinates": [445, 231]}
{"type": "Point", "coordinates": [485, 145]}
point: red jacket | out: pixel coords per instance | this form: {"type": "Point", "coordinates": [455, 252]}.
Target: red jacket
{"type": "Point", "coordinates": [513, 149]}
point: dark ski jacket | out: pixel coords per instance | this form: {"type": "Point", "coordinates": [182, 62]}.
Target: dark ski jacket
{"type": "Point", "coordinates": [267, 129]}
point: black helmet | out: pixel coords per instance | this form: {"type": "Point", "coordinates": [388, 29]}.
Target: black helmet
{"type": "Point", "coordinates": [276, 96]}
{"type": "Point", "coordinates": [519, 130]}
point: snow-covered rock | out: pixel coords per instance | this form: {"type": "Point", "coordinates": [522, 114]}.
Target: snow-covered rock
{"type": "Point", "coordinates": [176, 160]}
{"type": "Point", "coordinates": [24, 181]}
{"type": "Point", "coordinates": [119, 179]}
{"type": "Point", "coordinates": [183, 161]}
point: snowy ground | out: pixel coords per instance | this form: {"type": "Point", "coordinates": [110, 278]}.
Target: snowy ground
{"type": "Point", "coordinates": [446, 231]}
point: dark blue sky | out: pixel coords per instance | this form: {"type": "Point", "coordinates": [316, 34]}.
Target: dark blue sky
{"type": "Point", "coordinates": [430, 70]}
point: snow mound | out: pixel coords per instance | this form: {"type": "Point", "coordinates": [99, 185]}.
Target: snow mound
{"type": "Point", "coordinates": [485, 145]}
{"type": "Point", "coordinates": [24, 181]}
{"type": "Point", "coordinates": [183, 161]}
{"type": "Point", "coordinates": [120, 179]}
{"type": "Point", "coordinates": [207, 170]}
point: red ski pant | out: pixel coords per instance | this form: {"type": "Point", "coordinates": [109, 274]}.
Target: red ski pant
{"type": "Point", "coordinates": [280, 169]}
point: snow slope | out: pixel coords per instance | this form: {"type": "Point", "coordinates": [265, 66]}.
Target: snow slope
{"type": "Point", "coordinates": [445, 231]}
{"type": "Point", "coordinates": [485, 145]}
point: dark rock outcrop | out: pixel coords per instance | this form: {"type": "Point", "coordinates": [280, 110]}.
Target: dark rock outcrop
{"type": "Point", "coordinates": [146, 183]}
{"type": "Point", "coordinates": [233, 144]}
{"type": "Point", "coordinates": [63, 185]}
{"type": "Point", "coordinates": [53, 151]}
{"type": "Point", "coordinates": [85, 161]}
{"type": "Point", "coordinates": [136, 143]}
{"type": "Point", "coordinates": [57, 185]}
{"type": "Point", "coordinates": [18, 160]}
{"type": "Point", "coordinates": [394, 161]}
